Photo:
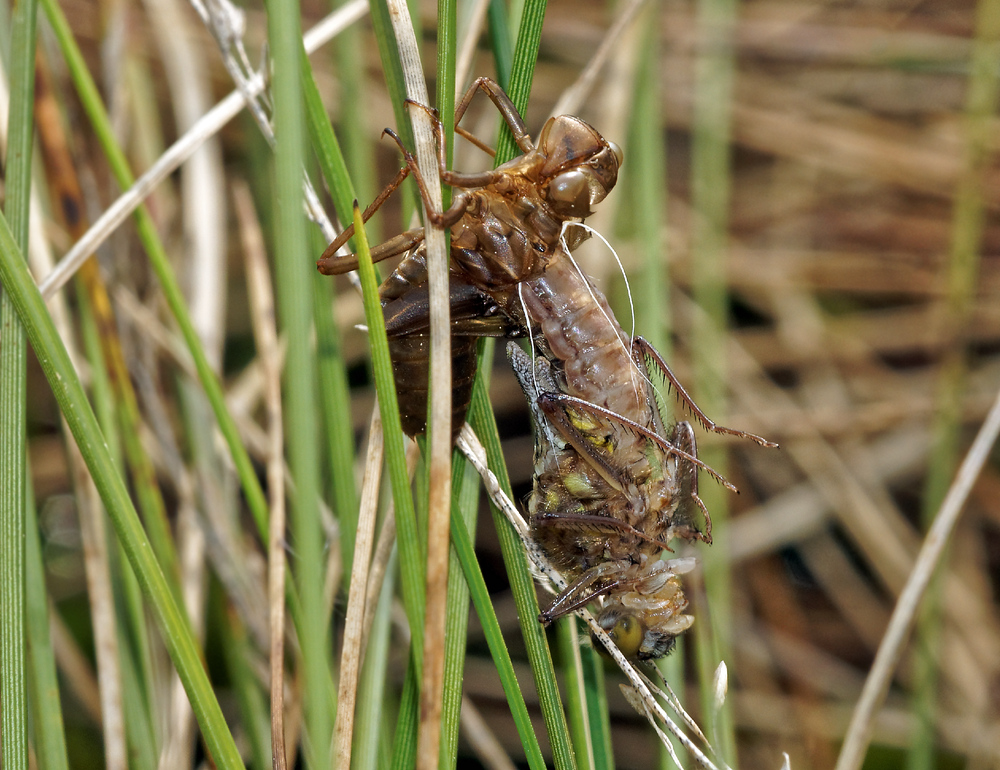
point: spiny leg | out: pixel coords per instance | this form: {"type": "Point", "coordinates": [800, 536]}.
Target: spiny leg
{"type": "Point", "coordinates": [596, 581]}
{"type": "Point", "coordinates": [398, 244]}
{"type": "Point", "coordinates": [438, 218]}
{"type": "Point", "coordinates": [329, 256]}
{"type": "Point", "coordinates": [593, 523]}
{"type": "Point", "coordinates": [557, 407]}
{"type": "Point", "coordinates": [503, 103]}
{"type": "Point", "coordinates": [641, 347]}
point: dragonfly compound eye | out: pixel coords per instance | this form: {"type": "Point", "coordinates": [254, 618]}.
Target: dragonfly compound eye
{"type": "Point", "coordinates": [619, 156]}
{"type": "Point", "coordinates": [569, 194]}
{"type": "Point", "coordinates": [625, 630]}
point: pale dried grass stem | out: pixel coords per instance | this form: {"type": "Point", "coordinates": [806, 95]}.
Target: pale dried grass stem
{"type": "Point", "coordinates": [261, 295]}
{"type": "Point", "coordinates": [860, 730]}
{"type": "Point", "coordinates": [357, 597]}
{"type": "Point", "coordinates": [439, 502]}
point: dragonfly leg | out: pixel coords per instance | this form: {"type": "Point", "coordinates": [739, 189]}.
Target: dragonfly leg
{"type": "Point", "coordinates": [642, 349]}
{"type": "Point", "coordinates": [503, 103]}
{"type": "Point", "coordinates": [332, 264]}
{"type": "Point", "coordinates": [683, 438]}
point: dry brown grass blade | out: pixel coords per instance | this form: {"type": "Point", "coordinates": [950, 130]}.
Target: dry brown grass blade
{"type": "Point", "coordinates": [439, 496]}
{"type": "Point", "coordinates": [266, 334]}
{"type": "Point", "coordinates": [357, 599]}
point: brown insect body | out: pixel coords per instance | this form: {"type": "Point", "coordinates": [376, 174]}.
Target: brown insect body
{"type": "Point", "coordinates": [611, 488]}
{"type": "Point", "coordinates": [612, 484]}
{"type": "Point", "coordinates": [505, 225]}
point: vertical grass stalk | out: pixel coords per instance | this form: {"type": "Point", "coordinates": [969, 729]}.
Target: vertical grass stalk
{"type": "Point", "coordinates": [294, 275]}
{"type": "Point", "coordinates": [13, 390]}
{"type": "Point", "coordinates": [710, 168]}
{"type": "Point", "coordinates": [960, 287]}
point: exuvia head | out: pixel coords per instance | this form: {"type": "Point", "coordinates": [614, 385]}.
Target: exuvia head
{"type": "Point", "coordinates": [636, 637]}
{"type": "Point", "coordinates": [644, 623]}
{"type": "Point", "coordinates": [580, 168]}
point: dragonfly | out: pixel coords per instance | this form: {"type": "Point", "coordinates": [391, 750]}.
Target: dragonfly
{"type": "Point", "coordinates": [614, 485]}
{"type": "Point", "coordinates": [505, 225]}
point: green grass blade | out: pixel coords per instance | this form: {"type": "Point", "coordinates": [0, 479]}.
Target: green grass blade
{"type": "Point", "coordinates": [597, 708]}
{"type": "Point", "coordinates": [462, 543]}
{"type": "Point", "coordinates": [334, 392]}
{"type": "Point", "coordinates": [46, 709]}
{"type": "Point", "coordinates": [464, 505]}
{"type": "Point", "coordinates": [325, 145]}
{"type": "Point", "coordinates": [73, 403]}
{"type": "Point", "coordinates": [710, 168]}
{"type": "Point", "coordinates": [576, 700]}
{"type": "Point", "coordinates": [294, 274]}
{"type": "Point", "coordinates": [359, 145]}
{"type": "Point", "coordinates": [143, 743]}
{"type": "Point", "coordinates": [13, 392]}
{"type": "Point", "coordinates": [370, 719]}
{"type": "Point", "coordinates": [522, 72]}
{"type": "Point", "coordinates": [963, 271]}
{"type": "Point", "coordinates": [500, 42]}
{"type": "Point", "coordinates": [404, 743]}
{"type": "Point", "coordinates": [645, 182]}
{"type": "Point", "coordinates": [250, 696]}
{"type": "Point", "coordinates": [392, 69]}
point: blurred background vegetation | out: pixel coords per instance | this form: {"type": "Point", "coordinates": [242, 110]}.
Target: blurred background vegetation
{"type": "Point", "coordinates": [818, 180]}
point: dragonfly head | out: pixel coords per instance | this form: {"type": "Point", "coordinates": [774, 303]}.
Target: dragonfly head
{"type": "Point", "coordinates": [580, 166]}
{"type": "Point", "coordinates": [645, 626]}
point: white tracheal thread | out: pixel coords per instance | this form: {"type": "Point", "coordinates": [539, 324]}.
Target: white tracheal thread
{"type": "Point", "coordinates": [628, 289]}
{"type": "Point", "coordinates": [531, 343]}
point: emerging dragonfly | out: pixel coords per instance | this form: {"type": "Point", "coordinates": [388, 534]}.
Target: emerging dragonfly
{"type": "Point", "coordinates": [613, 485]}
{"type": "Point", "coordinates": [505, 225]}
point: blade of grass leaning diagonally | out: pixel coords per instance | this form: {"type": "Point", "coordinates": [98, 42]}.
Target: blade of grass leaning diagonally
{"type": "Point", "coordinates": [74, 405]}
{"type": "Point", "coordinates": [334, 395]}
{"type": "Point", "coordinates": [13, 390]}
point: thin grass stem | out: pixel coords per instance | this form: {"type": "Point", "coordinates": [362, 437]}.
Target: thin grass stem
{"type": "Point", "coordinates": [13, 394]}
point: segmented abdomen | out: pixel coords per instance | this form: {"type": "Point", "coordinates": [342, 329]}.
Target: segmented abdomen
{"type": "Point", "coordinates": [579, 329]}
{"type": "Point", "coordinates": [410, 366]}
